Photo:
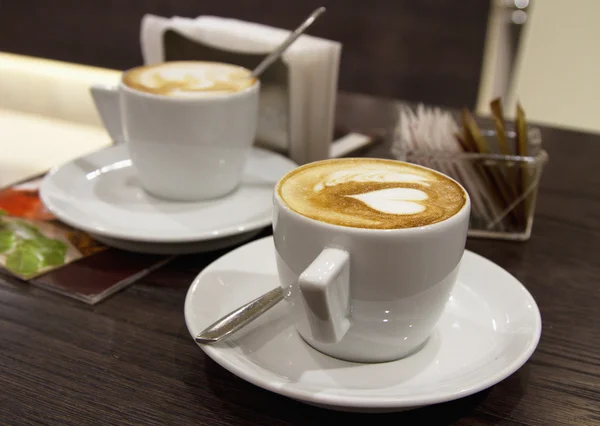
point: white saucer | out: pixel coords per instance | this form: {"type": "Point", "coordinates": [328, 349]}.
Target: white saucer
{"type": "Point", "coordinates": [490, 328]}
{"type": "Point", "coordinates": [100, 193]}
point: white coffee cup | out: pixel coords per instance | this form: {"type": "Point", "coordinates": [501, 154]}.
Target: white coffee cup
{"type": "Point", "coordinates": [366, 295]}
{"type": "Point", "coordinates": [183, 148]}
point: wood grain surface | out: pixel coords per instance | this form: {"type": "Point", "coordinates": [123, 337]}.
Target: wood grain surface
{"type": "Point", "coordinates": [130, 360]}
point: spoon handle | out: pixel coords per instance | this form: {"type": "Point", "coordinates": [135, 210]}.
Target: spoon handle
{"type": "Point", "coordinates": [240, 317]}
{"type": "Point", "coordinates": [272, 57]}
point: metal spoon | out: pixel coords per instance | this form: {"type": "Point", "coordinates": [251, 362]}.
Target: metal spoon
{"type": "Point", "coordinates": [240, 317]}
{"type": "Point", "coordinates": [275, 54]}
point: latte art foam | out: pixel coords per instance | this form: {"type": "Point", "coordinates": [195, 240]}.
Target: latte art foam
{"type": "Point", "coordinates": [371, 193]}
{"type": "Point", "coordinates": [189, 79]}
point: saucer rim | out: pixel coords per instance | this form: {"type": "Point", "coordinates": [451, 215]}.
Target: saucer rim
{"type": "Point", "coordinates": [223, 232]}
{"type": "Point", "coordinates": [364, 402]}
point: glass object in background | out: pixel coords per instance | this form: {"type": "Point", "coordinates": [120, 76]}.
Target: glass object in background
{"type": "Point", "coordinates": [503, 188]}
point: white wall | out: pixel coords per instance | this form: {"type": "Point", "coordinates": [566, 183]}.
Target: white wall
{"type": "Point", "coordinates": [557, 69]}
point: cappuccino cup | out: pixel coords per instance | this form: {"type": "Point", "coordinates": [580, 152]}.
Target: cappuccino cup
{"type": "Point", "coordinates": [189, 126]}
{"type": "Point", "coordinates": [368, 251]}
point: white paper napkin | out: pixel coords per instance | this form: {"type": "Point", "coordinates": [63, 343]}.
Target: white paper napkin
{"type": "Point", "coordinates": [47, 116]}
{"type": "Point", "coordinates": [32, 144]}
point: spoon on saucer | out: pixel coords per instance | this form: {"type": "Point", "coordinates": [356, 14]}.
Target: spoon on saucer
{"type": "Point", "coordinates": [275, 54]}
{"type": "Point", "coordinates": [239, 317]}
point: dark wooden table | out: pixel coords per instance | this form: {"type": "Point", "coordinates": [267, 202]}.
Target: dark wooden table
{"type": "Point", "coordinates": [130, 359]}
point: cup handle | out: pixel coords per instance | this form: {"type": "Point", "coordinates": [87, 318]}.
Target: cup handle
{"type": "Point", "coordinates": [325, 290]}
{"type": "Point", "coordinates": [106, 99]}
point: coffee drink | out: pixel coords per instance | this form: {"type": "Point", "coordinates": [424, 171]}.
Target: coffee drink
{"type": "Point", "coordinates": [371, 193]}
{"type": "Point", "coordinates": [189, 79]}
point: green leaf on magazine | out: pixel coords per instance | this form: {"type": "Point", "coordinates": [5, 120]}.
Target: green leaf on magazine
{"type": "Point", "coordinates": [51, 252]}
{"type": "Point", "coordinates": [31, 255]}
{"type": "Point", "coordinates": [7, 240]}
{"type": "Point", "coordinates": [23, 262]}
{"type": "Point", "coordinates": [56, 252]}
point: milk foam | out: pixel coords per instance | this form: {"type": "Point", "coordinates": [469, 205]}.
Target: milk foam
{"type": "Point", "coordinates": [189, 79]}
{"type": "Point", "coordinates": [368, 175]}
{"type": "Point", "coordinates": [371, 193]}
{"type": "Point", "coordinates": [394, 200]}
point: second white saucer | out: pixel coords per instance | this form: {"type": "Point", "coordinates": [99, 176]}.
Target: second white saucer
{"type": "Point", "coordinates": [101, 194]}
{"type": "Point", "coordinates": [490, 327]}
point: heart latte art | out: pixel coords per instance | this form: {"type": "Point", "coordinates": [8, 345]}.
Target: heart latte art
{"type": "Point", "coordinates": [371, 193]}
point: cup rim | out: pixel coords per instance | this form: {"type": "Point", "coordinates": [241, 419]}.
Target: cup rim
{"type": "Point", "coordinates": [220, 98]}
{"type": "Point", "coordinates": [464, 210]}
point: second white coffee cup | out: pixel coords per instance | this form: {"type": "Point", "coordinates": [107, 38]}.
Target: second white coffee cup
{"type": "Point", "coordinates": [183, 148]}
{"type": "Point", "coordinates": [366, 295]}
